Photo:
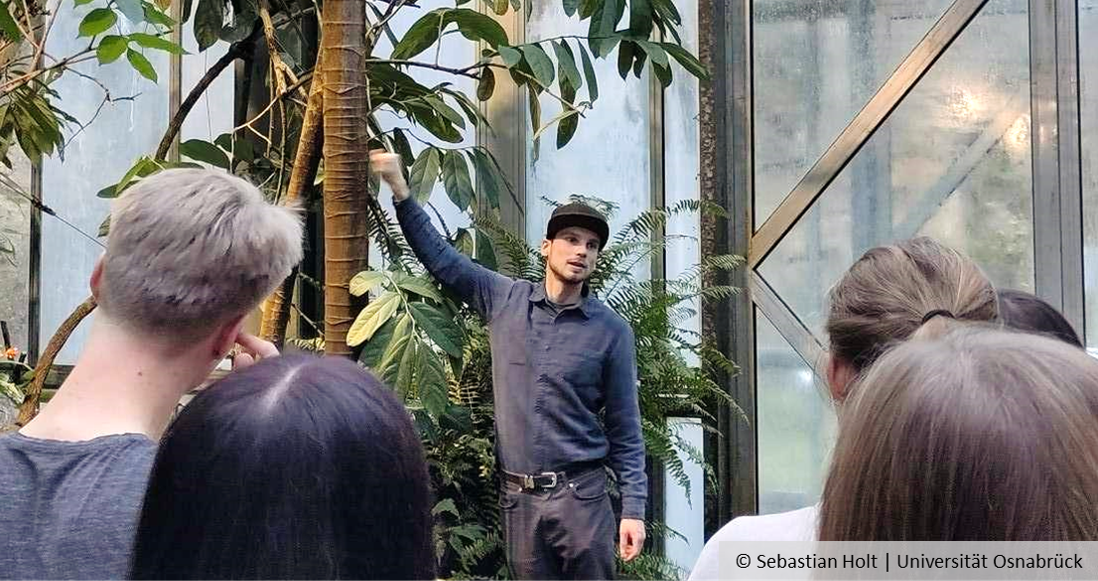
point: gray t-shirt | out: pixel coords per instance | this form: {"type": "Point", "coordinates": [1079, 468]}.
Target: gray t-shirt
{"type": "Point", "coordinates": [70, 509]}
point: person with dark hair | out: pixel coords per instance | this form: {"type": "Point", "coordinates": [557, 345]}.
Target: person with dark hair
{"type": "Point", "coordinates": [298, 467]}
{"type": "Point", "coordinates": [1026, 312]}
{"type": "Point", "coordinates": [564, 378]}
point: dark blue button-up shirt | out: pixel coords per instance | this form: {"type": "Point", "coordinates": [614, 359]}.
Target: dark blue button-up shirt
{"type": "Point", "coordinates": [553, 373]}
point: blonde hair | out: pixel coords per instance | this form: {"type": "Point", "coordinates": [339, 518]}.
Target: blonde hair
{"type": "Point", "coordinates": [981, 434]}
{"type": "Point", "coordinates": [189, 249]}
{"type": "Point", "coordinates": [884, 297]}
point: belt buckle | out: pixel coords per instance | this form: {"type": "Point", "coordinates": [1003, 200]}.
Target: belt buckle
{"type": "Point", "coordinates": [552, 478]}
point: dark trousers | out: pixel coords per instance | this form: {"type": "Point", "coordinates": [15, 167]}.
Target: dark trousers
{"type": "Point", "coordinates": [564, 533]}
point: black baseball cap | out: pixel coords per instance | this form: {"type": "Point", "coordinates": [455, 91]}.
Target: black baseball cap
{"type": "Point", "coordinates": [579, 215]}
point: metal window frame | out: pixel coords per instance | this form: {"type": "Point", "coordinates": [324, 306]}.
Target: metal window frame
{"type": "Point", "coordinates": [1057, 167]}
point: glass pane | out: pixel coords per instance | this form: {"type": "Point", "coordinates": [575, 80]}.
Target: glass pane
{"type": "Point", "coordinates": [99, 156]}
{"type": "Point", "coordinates": [816, 63]}
{"type": "Point", "coordinates": [14, 249]}
{"type": "Point", "coordinates": [796, 424]}
{"type": "Point", "coordinates": [1088, 96]}
{"type": "Point", "coordinates": [608, 158]}
{"type": "Point", "coordinates": [953, 162]}
{"type": "Point", "coordinates": [681, 162]}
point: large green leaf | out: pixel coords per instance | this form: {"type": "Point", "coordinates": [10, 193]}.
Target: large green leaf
{"type": "Point", "coordinates": [439, 327]}
{"type": "Point", "coordinates": [141, 64]}
{"type": "Point", "coordinates": [488, 183]}
{"type": "Point", "coordinates": [406, 371]}
{"type": "Point", "coordinates": [510, 56]}
{"type": "Point", "coordinates": [425, 174]}
{"type": "Point", "coordinates": [625, 58]}
{"type": "Point", "coordinates": [476, 26]}
{"type": "Point", "coordinates": [604, 22]}
{"type": "Point", "coordinates": [420, 36]}
{"type": "Point", "coordinates": [447, 505]}
{"type": "Point", "coordinates": [539, 63]}
{"type": "Point", "coordinates": [534, 104]}
{"type": "Point", "coordinates": [687, 60]}
{"type": "Point", "coordinates": [155, 16]}
{"type": "Point", "coordinates": [366, 281]}
{"type": "Point", "coordinates": [209, 17]}
{"type": "Point", "coordinates": [97, 21]}
{"type": "Point", "coordinates": [110, 49]}
{"type": "Point", "coordinates": [431, 382]}
{"type": "Point", "coordinates": [438, 125]}
{"type": "Point", "coordinates": [486, 85]}
{"type": "Point", "coordinates": [374, 349]}
{"type": "Point", "coordinates": [589, 72]}
{"type": "Point", "coordinates": [389, 363]}
{"type": "Point", "coordinates": [205, 152]}
{"type": "Point", "coordinates": [566, 130]}
{"type": "Point", "coordinates": [486, 252]}
{"type": "Point", "coordinates": [417, 285]}
{"type": "Point", "coordinates": [372, 317]}
{"type": "Point", "coordinates": [455, 176]}
{"type": "Point", "coordinates": [156, 43]}
{"type": "Point", "coordinates": [566, 63]}
{"type": "Point", "coordinates": [655, 53]}
{"type": "Point", "coordinates": [8, 28]}
{"type": "Point", "coordinates": [640, 18]}
{"type": "Point", "coordinates": [446, 111]}
{"type": "Point", "coordinates": [400, 143]}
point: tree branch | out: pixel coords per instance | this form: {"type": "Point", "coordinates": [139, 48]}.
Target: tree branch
{"type": "Point", "coordinates": [237, 50]}
{"type": "Point", "coordinates": [29, 407]}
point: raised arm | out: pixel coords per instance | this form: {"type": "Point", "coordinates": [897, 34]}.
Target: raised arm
{"type": "Point", "coordinates": [480, 287]}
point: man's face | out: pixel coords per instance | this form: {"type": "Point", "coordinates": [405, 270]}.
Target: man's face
{"type": "Point", "coordinates": [571, 255]}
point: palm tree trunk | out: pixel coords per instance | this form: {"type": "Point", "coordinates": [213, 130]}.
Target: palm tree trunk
{"type": "Point", "coordinates": [346, 159]}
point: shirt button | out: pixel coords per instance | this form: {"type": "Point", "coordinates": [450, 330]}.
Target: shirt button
{"type": "Point", "coordinates": [546, 347]}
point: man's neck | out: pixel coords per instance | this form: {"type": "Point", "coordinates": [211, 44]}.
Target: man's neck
{"type": "Point", "coordinates": [117, 386]}
{"type": "Point", "coordinates": [560, 292]}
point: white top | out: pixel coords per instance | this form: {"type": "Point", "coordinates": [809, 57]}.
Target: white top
{"type": "Point", "coordinates": [795, 525]}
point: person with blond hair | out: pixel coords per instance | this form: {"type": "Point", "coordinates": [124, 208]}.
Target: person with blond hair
{"type": "Point", "coordinates": [979, 434]}
{"type": "Point", "coordinates": [882, 300]}
{"type": "Point", "coordinates": [189, 254]}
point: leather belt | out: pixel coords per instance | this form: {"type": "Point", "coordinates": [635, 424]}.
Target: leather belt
{"type": "Point", "coordinates": [548, 480]}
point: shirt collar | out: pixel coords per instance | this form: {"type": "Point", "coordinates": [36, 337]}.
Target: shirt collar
{"type": "Point", "coordinates": [538, 296]}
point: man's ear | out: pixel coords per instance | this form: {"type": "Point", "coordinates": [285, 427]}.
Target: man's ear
{"type": "Point", "coordinates": [96, 281]}
{"type": "Point", "coordinates": [545, 244]}
{"type": "Point", "coordinates": [226, 336]}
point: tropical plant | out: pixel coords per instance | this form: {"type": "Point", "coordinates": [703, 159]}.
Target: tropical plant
{"type": "Point", "coordinates": [434, 351]}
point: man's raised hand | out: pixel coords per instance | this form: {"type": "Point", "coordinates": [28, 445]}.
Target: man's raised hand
{"type": "Point", "coordinates": [388, 167]}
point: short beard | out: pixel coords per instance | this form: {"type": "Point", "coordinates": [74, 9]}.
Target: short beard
{"type": "Point", "coordinates": [569, 279]}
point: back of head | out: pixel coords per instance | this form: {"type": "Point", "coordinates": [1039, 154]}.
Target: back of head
{"type": "Point", "coordinates": [885, 296]}
{"type": "Point", "coordinates": [981, 434]}
{"type": "Point", "coordinates": [1026, 312]}
{"type": "Point", "coordinates": [189, 249]}
{"type": "Point", "coordinates": [296, 468]}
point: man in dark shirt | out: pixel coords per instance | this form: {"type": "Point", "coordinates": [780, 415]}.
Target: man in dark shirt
{"type": "Point", "coordinates": [559, 359]}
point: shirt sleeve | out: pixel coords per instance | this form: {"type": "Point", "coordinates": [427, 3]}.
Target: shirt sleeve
{"type": "Point", "coordinates": [480, 287]}
{"type": "Point", "coordinates": [623, 426]}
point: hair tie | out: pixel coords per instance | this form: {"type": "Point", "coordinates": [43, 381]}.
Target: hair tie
{"type": "Point", "coordinates": [937, 312]}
